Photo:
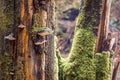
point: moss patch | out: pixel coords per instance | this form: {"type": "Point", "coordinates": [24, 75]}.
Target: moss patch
{"type": "Point", "coordinates": [5, 66]}
{"type": "Point", "coordinates": [103, 66]}
{"type": "Point", "coordinates": [80, 63]}
{"type": "Point", "coordinates": [19, 69]}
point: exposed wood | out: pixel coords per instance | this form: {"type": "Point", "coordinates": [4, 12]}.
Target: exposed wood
{"type": "Point", "coordinates": [103, 26]}
{"type": "Point", "coordinates": [34, 62]}
{"type": "Point", "coordinates": [23, 40]}
{"type": "Point", "coordinates": [115, 70]}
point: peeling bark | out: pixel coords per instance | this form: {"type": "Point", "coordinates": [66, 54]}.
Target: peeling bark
{"type": "Point", "coordinates": [23, 70]}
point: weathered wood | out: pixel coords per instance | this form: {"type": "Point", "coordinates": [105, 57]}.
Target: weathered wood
{"type": "Point", "coordinates": [115, 71]}
{"type": "Point", "coordinates": [103, 26]}
{"type": "Point", "coordinates": [116, 60]}
{"type": "Point", "coordinates": [23, 71]}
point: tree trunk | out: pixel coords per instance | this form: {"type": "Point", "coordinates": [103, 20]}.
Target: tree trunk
{"type": "Point", "coordinates": [103, 27]}
{"type": "Point", "coordinates": [28, 53]}
{"type": "Point", "coordinates": [82, 51]}
{"type": "Point", "coordinates": [50, 73]}
{"type": "Point", "coordinates": [75, 67]}
{"type": "Point", "coordinates": [23, 63]}
{"type": "Point", "coordinates": [115, 71]}
{"type": "Point", "coordinates": [116, 59]}
{"type": "Point", "coordinates": [21, 58]}
{"type": "Point", "coordinates": [7, 26]}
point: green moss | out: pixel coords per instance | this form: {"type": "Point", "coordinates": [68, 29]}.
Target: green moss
{"type": "Point", "coordinates": [7, 25]}
{"type": "Point", "coordinates": [103, 66]}
{"type": "Point", "coordinates": [5, 66]}
{"type": "Point", "coordinates": [89, 14]}
{"type": "Point", "coordinates": [39, 28]}
{"type": "Point", "coordinates": [80, 65]}
{"type": "Point", "coordinates": [55, 59]}
{"type": "Point", "coordinates": [81, 56]}
{"type": "Point", "coordinates": [75, 67]}
{"type": "Point", "coordinates": [19, 69]}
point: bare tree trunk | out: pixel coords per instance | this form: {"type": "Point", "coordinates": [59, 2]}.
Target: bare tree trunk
{"type": "Point", "coordinates": [103, 27]}
{"type": "Point", "coordinates": [115, 70]}
{"type": "Point", "coordinates": [117, 62]}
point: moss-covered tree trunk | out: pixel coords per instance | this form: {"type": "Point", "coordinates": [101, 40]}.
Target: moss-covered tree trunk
{"type": "Point", "coordinates": [82, 63]}
{"type": "Point", "coordinates": [8, 20]}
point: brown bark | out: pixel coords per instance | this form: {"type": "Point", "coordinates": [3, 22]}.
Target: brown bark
{"type": "Point", "coordinates": [6, 46]}
{"type": "Point", "coordinates": [28, 64]}
{"type": "Point", "coordinates": [41, 56]}
{"type": "Point", "coordinates": [103, 27]}
{"type": "Point", "coordinates": [115, 70]}
{"type": "Point", "coordinates": [22, 43]}
{"type": "Point", "coordinates": [116, 63]}
{"type": "Point", "coordinates": [40, 21]}
{"type": "Point", "coordinates": [45, 18]}
{"type": "Point", "coordinates": [50, 73]}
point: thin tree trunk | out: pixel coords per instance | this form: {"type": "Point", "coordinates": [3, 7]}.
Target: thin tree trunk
{"type": "Point", "coordinates": [116, 63]}
{"type": "Point", "coordinates": [50, 73]}
{"type": "Point", "coordinates": [103, 27]}
{"type": "Point", "coordinates": [115, 70]}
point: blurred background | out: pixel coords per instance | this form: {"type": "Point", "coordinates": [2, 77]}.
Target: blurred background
{"type": "Point", "coordinates": [67, 12]}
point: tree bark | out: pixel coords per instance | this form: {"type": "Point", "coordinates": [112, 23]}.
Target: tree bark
{"type": "Point", "coordinates": [116, 55]}
{"type": "Point", "coordinates": [115, 71]}
{"type": "Point", "coordinates": [23, 64]}
{"type": "Point", "coordinates": [7, 46]}
{"type": "Point", "coordinates": [50, 73]}
{"type": "Point", "coordinates": [103, 27]}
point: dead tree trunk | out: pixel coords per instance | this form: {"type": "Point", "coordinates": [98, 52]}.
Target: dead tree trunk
{"type": "Point", "coordinates": [103, 27]}
{"type": "Point", "coordinates": [116, 60]}
{"type": "Point", "coordinates": [35, 51]}
{"type": "Point", "coordinates": [23, 64]}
